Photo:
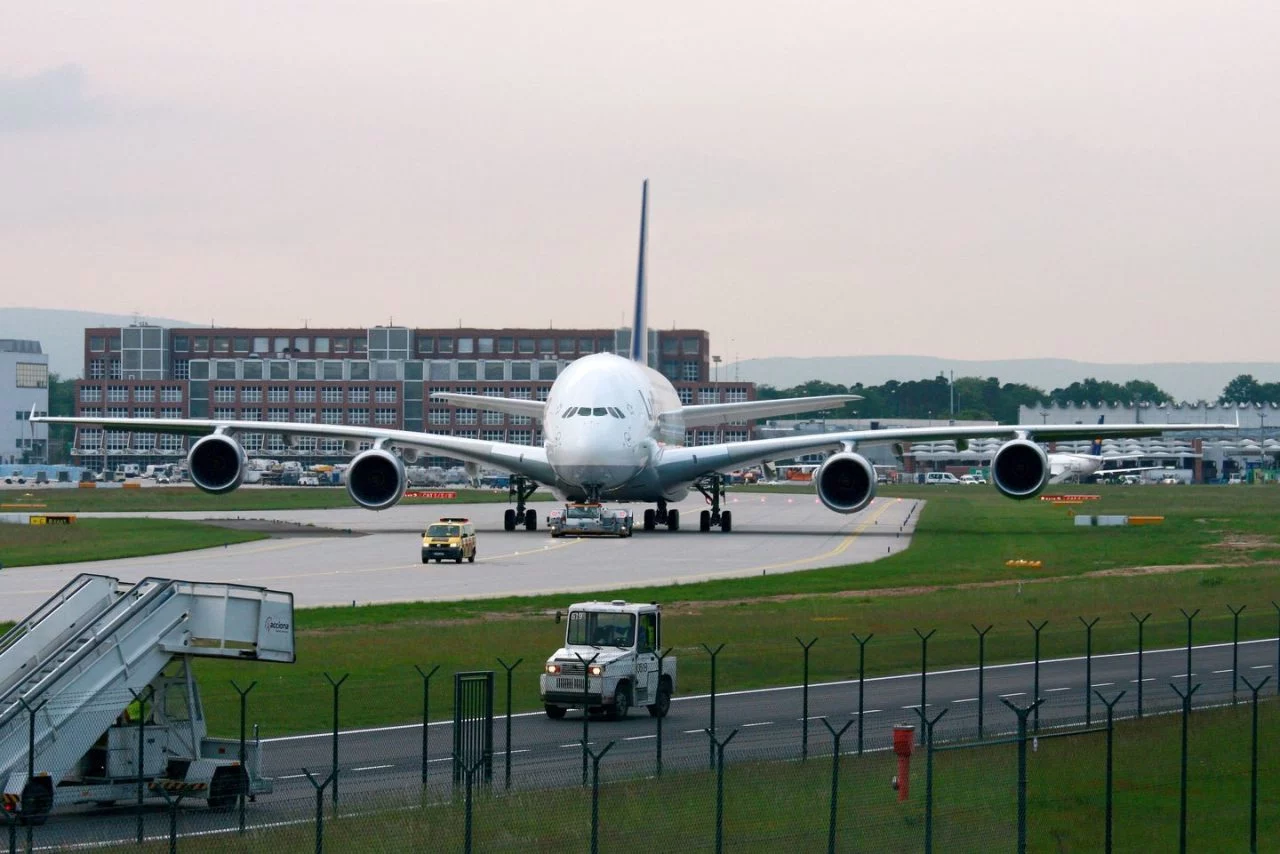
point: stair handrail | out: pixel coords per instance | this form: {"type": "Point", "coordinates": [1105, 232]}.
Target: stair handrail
{"type": "Point", "coordinates": [162, 585]}
{"type": "Point", "coordinates": [50, 605]}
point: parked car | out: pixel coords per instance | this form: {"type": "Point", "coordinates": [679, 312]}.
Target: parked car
{"type": "Point", "coordinates": [941, 477]}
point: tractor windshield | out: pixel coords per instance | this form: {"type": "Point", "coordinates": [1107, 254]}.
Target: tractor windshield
{"type": "Point", "coordinates": [594, 628]}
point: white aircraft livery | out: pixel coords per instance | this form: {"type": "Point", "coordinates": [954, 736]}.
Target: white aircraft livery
{"type": "Point", "coordinates": [613, 429]}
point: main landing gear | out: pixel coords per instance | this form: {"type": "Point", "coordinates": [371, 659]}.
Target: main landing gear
{"type": "Point", "coordinates": [662, 516]}
{"type": "Point", "coordinates": [520, 489]}
{"type": "Point", "coordinates": [712, 489]}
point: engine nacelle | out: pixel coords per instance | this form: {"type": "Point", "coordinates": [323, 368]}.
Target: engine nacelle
{"type": "Point", "coordinates": [217, 464]}
{"type": "Point", "coordinates": [846, 483]}
{"type": "Point", "coordinates": [1020, 469]}
{"type": "Point", "coordinates": [376, 479]}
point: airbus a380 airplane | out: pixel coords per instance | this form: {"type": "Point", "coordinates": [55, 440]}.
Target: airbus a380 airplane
{"type": "Point", "coordinates": [613, 429]}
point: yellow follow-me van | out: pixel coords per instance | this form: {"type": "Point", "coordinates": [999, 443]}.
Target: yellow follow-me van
{"type": "Point", "coordinates": [452, 537]}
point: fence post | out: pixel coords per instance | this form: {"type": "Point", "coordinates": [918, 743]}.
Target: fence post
{"type": "Point", "coordinates": [712, 727]}
{"type": "Point", "coordinates": [244, 767]}
{"type": "Point", "coordinates": [1111, 707]}
{"type": "Point", "coordinates": [468, 774]}
{"type": "Point", "coordinates": [662, 657]}
{"type": "Point", "coordinates": [141, 698]}
{"type": "Point", "coordinates": [982, 664]}
{"type": "Point", "coordinates": [586, 707]}
{"type": "Point", "coordinates": [172, 803]}
{"type": "Point", "coordinates": [719, 747]}
{"type": "Point", "coordinates": [336, 686]}
{"type": "Point", "coordinates": [1182, 803]}
{"type": "Point", "coordinates": [426, 720]}
{"type": "Point", "coordinates": [924, 671]}
{"type": "Point", "coordinates": [927, 725]}
{"type": "Point", "coordinates": [835, 782]}
{"type": "Point", "coordinates": [595, 795]}
{"type": "Point", "coordinates": [862, 672]}
{"type": "Point", "coordinates": [31, 757]}
{"type": "Point", "coordinates": [1035, 690]}
{"type": "Point", "coordinates": [1277, 607]}
{"type": "Point", "coordinates": [1088, 668]}
{"type": "Point", "coordinates": [319, 787]}
{"type": "Point", "coordinates": [1235, 649]}
{"type": "Point", "coordinates": [1022, 714]}
{"type": "Point", "coordinates": [1189, 617]}
{"type": "Point", "coordinates": [1140, 623]}
{"type": "Point", "coordinates": [509, 669]}
{"type": "Point", "coordinates": [804, 708]}
{"type": "Point", "coordinates": [1253, 767]}
{"type": "Point", "coordinates": [12, 820]}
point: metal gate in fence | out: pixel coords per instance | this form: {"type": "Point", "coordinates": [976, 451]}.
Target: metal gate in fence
{"type": "Point", "coordinates": [473, 723]}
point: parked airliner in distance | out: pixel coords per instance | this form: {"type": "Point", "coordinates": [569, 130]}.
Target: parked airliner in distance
{"type": "Point", "coordinates": [613, 428]}
{"type": "Point", "coordinates": [1065, 467]}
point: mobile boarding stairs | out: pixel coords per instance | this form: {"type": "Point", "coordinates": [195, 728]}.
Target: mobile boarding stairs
{"type": "Point", "coordinates": [103, 667]}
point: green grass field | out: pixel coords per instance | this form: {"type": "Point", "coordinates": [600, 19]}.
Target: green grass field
{"type": "Point", "coordinates": [952, 576]}
{"type": "Point", "coordinates": [105, 539]}
{"type": "Point", "coordinates": [188, 498]}
{"type": "Point", "coordinates": [768, 805]}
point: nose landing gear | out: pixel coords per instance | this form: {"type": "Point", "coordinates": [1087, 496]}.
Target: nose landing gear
{"type": "Point", "coordinates": [662, 516]}
{"type": "Point", "coordinates": [520, 489]}
{"type": "Point", "coordinates": [712, 489]}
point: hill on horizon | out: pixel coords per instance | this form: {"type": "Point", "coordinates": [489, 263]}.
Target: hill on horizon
{"type": "Point", "coordinates": [1185, 381]}
{"type": "Point", "coordinates": [61, 332]}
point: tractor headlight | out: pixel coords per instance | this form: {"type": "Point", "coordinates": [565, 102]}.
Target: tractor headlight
{"type": "Point", "coordinates": [553, 669]}
{"type": "Point", "coordinates": [596, 670]}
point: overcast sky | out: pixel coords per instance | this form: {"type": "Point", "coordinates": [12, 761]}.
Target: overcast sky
{"type": "Point", "coordinates": [1093, 180]}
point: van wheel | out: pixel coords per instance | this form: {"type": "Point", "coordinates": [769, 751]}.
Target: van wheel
{"type": "Point", "coordinates": [662, 702]}
{"type": "Point", "coordinates": [458, 559]}
{"type": "Point", "coordinates": [472, 558]}
{"type": "Point", "coordinates": [554, 712]}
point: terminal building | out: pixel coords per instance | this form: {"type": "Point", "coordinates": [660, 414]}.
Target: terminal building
{"type": "Point", "coordinates": [24, 385]}
{"type": "Point", "coordinates": [381, 376]}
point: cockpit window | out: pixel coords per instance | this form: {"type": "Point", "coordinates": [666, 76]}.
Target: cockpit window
{"type": "Point", "coordinates": [568, 413]}
{"type": "Point", "coordinates": [615, 412]}
{"type": "Point", "coordinates": [600, 411]}
{"type": "Point", "coordinates": [586, 410]}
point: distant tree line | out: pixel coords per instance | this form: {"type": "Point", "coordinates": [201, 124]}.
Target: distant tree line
{"type": "Point", "coordinates": [978, 399]}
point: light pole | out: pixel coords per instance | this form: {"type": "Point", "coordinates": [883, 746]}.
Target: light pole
{"type": "Point", "coordinates": [1262, 437]}
{"type": "Point", "coordinates": [715, 361]}
{"type": "Point", "coordinates": [1044, 416]}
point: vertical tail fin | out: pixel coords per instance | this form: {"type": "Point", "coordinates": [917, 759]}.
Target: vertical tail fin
{"type": "Point", "coordinates": [640, 324]}
{"type": "Point", "coordinates": [1096, 447]}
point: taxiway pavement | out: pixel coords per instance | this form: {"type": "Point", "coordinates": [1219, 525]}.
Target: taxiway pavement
{"type": "Point", "coordinates": [345, 556]}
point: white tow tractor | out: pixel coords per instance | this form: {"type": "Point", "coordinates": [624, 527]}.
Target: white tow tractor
{"type": "Point", "coordinates": [590, 520]}
{"type": "Point", "coordinates": [609, 662]}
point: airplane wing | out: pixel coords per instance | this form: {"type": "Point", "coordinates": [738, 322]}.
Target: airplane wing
{"type": "Point", "coordinates": [528, 460]}
{"type": "Point", "coordinates": [680, 464]}
{"type": "Point", "coordinates": [509, 405]}
{"type": "Point", "coordinates": [718, 413]}
{"type": "Point", "coordinates": [1115, 472]}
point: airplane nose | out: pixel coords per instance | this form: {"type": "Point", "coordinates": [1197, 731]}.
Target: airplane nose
{"type": "Point", "coordinates": [593, 457]}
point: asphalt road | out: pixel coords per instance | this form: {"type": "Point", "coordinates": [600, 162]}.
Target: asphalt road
{"type": "Point", "coordinates": [337, 557]}
{"type": "Point", "coordinates": [383, 765]}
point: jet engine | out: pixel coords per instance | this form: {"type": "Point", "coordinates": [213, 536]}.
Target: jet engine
{"type": "Point", "coordinates": [846, 482]}
{"type": "Point", "coordinates": [217, 464]}
{"type": "Point", "coordinates": [376, 479]}
{"type": "Point", "coordinates": [1020, 469]}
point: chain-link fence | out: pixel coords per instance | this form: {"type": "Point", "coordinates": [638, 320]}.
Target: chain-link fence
{"type": "Point", "coordinates": [1088, 752]}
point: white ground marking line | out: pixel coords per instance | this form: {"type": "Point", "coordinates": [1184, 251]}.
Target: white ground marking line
{"type": "Point", "coordinates": [810, 718]}
{"type": "Point", "coordinates": [1014, 694]}
{"type": "Point", "coordinates": [521, 750]}
{"type": "Point", "coordinates": [693, 731]}
{"type": "Point", "coordinates": [917, 705]}
{"type": "Point", "coordinates": [639, 737]}
{"type": "Point", "coordinates": [441, 759]}
{"type": "Point", "coordinates": [759, 723]}
{"type": "Point", "coordinates": [866, 712]}
{"type": "Point", "coordinates": [1261, 667]}
{"type": "Point", "coordinates": [1181, 675]}
{"type": "Point", "coordinates": [966, 700]}
{"type": "Point", "coordinates": [837, 684]}
{"type": "Point", "coordinates": [1101, 684]}
{"type": "Point", "coordinates": [373, 768]}
{"type": "Point", "coordinates": [579, 744]}
{"type": "Point", "coordinates": [291, 777]}
{"type": "Point", "coordinates": [1148, 679]}
{"type": "Point", "coordinates": [1056, 690]}
{"type": "Point", "coordinates": [1228, 670]}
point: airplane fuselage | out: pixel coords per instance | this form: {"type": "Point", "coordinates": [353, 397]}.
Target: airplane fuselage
{"type": "Point", "coordinates": [607, 420]}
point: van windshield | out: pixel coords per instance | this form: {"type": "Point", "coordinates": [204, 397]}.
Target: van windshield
{"type": "Point", "coordinates": [443, 531]}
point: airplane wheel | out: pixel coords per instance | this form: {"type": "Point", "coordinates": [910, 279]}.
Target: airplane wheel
{"type": "Point", "coordinates": [509, 520]}
{"type": "Point", "coordinates": [472, 559]}
{"type": "Point", "coordinates": [650, 519]}
{"type": "Point", "coordinates": [726, 521]}
{"type": "Point", "coordinates": [704, 521]}
{"type": "Point", "coordinates": [673, 520]}
{"type": "Point", "coordinates": [531, 520]}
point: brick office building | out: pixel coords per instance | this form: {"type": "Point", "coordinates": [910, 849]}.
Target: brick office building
{"type": "Point", "coordinates": [379, 376]}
